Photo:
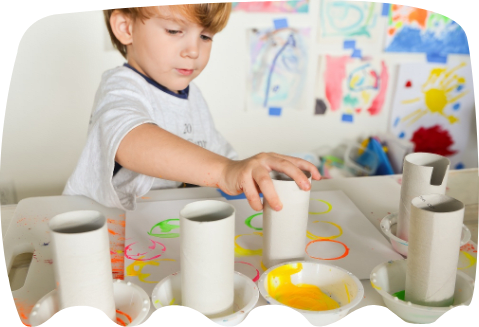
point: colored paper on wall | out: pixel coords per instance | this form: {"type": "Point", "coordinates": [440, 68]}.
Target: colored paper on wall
{"type": "Point", "coordinates": [353, 86]}
{"type": "Point", "coordinates": [277, 70]}
{"type": "Point", "coordinates": [298, 6]}
{"type": "Point", "coordinates": [349, 19]}
{"type": "Point", "coordinates": [412, 29]}
{"type": "Point", "coordinates": [433, 106]}
{"type": "Point", "coordinates": [338, 233]}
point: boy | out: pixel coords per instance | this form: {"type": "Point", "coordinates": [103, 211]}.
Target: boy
{"type": "Point", "coordinates": [150, 126]}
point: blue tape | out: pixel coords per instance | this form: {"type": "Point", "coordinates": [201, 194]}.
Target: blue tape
{"type": "Point", "coordinates": [436, 58]}
{"type": "Point", "coordinates": [349, 44]}
{"type": "Point", "coordinates": [275, 111]}
{"type": "Point", "coordinates": [385, 11]}
{"type": "Point", "coordinates": [347, 118]}
{"type": "Point", "coordinates": [280, 23]}
{"type": "Point", "coordinates": [234, 197]}
{"type": "Point", "coordinates": [356, 53]}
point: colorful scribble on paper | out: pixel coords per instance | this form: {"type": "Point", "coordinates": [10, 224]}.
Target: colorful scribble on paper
{"type": "Point", "coordinates": [354, 86]}
{"type": "Point", "coordinates": [277, 67]}
{"type": "Point", "coordinates": [165, 227]}
{"type": "Point", "coordinates": [136, 252]}
{"type": "Point", "coordinates": [116, 229]}
{"type": "Point", "coordinates": [417, 30]}
{"type": "Point", "coordinates": [433, 107]}
{"type": "Point", "coordinates": [349, 19]}
{"type": "Point", "coordinates": [298, 6]}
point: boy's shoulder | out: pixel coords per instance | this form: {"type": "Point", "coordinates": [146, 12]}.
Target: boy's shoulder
{"type": "Point", "coordinates": [121, 75]}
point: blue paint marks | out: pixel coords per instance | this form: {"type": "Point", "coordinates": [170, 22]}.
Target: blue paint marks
{"type": "Point", "coordinates": [456, 106]}
{"type": "Point", "coordinates": [460, 87]}
{"type": "Point", "coordinates": [280, 23]}
{"type": "Point", "coordinates": [385, 11]}
{"type": "Point", "coordinates": [436, 58]}
{"type": "Point", "coordinates": [347, 118]}
{"type": "Point", "coordinates": [234, 197]}
{"type": "Point", "coordinates": [274, 111]}
{"type": "Point", "coordinates": [45, 244]}
{"type": "Point", "coordinates": [349, 44]}
{"type": "Point", "coordinates": [402, 135]}
{"type": "Point", "coordinates": [356, 53]}
{"type": "Point", "coordinates": [396, 121]}
{"type": "Point", "coordinates": [460, 165]}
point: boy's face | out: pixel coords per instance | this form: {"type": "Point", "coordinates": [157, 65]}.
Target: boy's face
{"type": "Point", "coordinates": [171, 52]}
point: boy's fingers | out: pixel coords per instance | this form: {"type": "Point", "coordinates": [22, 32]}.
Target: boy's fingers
{"type": "Point", "coordinates": [262, 178]}
{"type": "Point", "coordinates": [251, 192]}
{"type": "Point", "coordinates": [303, 165]}
{"type": "Point", "coordinates": [288, 168]}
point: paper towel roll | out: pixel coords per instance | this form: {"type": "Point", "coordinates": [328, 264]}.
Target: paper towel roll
{"type": "Point", "coordinates": [434, 241]}
{"type": "Point", "coordinates": [284, 231]}
{"type": "Point", "coordinates": [423, 173]}
{"type": "Point", "coordinates": [81, 260]}
{"type": "Point", "coordinates": [207, 231]}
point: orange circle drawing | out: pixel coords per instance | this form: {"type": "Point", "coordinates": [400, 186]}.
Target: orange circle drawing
{"type": "Point", "coordinates": [345, 254]}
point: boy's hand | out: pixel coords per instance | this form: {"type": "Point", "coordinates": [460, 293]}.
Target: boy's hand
{"type": "Point", "coordinates": [251, 176]}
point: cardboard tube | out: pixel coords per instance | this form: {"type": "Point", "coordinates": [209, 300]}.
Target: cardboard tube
{"type": "Point", "coordinates": [423, 173]}
{"type": "Point", "coordinates": [284, 231]}
{"type": "Point", "coordinates": [207, 231]}
{"type": "Point", "coordinates": [81, 260]}
{"type": "Point", "coordinates": [434, 241]}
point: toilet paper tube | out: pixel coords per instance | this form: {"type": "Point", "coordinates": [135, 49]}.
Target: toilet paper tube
{"type": "Point", "coordinates": [81, 260]}
{"type": "Point", "coordinates": [207, 231]}
{"type": "Point", "coordinates": [284, 231]}
{"type": "Point", "coordinates": [434, 241]}
{"type": "Point", "coordinates": [423, 173]}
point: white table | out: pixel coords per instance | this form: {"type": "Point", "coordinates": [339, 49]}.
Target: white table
{"type": "Point", "coordinates": [374, 196]}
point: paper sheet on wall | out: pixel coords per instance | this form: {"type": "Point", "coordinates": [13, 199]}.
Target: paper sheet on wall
{"type": "Point", "coordinates": [277, 68]}
{"type": "Point", "coordinates": [433, 106]}
{"type": "Point", "coordinates": [338, 233]}
{"type": "Point", "coordinates": [349, 87]}
{"type": "Point", "coordinates": [297, 6]}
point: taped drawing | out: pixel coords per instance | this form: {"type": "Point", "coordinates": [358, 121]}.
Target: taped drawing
{"type": "Point", "coordinates": [417, 30]}
{"type": "Point", "coordinates": [298, 6]}
{"type": "Point", "coordinates": [277, 67]}
{"type": "Point", "coordinates": [433, 107]}
{"type": "Point", "coordinates": [349, 19]}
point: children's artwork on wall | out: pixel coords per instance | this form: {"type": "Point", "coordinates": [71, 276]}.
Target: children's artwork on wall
{"type": "Point", "coordinates": [338, 233]}
{"type": "Point", "coordinates": [417, 30]}
{"type": "Point", "coordinates": [277, 67]}
{"type": "Point", "coordinates": [298, 6]}
{"type": "Point", "coordinates": [433, 106]}
{"type": "Point", "coordinates": [349, 19]}
{"type": "Point", "coordinates": [353, 86]}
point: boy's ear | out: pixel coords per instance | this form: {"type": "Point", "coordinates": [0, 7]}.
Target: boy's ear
{"type": "Point", "coordinates": [122, 25]}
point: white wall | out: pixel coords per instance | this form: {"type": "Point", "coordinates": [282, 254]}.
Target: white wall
{"type": "Point", "coordinates": [58, 68]}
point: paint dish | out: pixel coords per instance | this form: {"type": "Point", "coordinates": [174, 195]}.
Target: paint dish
{"type": "Point", "coordinates": [131, 301]}
{"type": "Point", "coordinates": [339, 289]}
{"type": "Point", "coordinates": [389, 226]}
{"type": "Point", "coordinates": [390, 277]}
{"type": "Point", "coordinates": [168, 292]}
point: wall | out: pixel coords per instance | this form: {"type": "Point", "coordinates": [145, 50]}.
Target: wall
{"type": "Point", "coordinates": [58, 68]}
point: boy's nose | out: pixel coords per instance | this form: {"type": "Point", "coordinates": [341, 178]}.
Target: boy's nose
{"type": "Point", "coordinates": [191, 49]}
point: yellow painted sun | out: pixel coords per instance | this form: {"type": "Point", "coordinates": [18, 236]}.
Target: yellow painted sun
{"type": "Point", "coordinates": [438, 91]}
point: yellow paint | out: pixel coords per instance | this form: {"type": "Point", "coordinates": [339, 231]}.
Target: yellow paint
{"type": "Point", "coordinates": [132, 271]}
{"type": "Point", "coordinates": [364, 145]}
{"type": "Point", "coordinates": [347, 292]}
{"type": "Point", "coordinates": [353, 82]}
{"type": "Point", "coordinates": [330, 207]}
{"type": "Point", "coordinates": [119, 251]}
{"type": "Point", "coordinates": [472, 260]}
{"type": "Point", "coordinates": [375, 286]}
{"type": "Point", "coordinates": [366, 96]}
{"type": "Point", "coordinates": [410, 100]}
{"type": "Point", "coordinates": [158, 301]}
{"type": "Point", "coordinates": [263, 266]}
{"type": "Point", "coordinates": [316, 237]}
{"type": "Point", "coordinates": [242, 252]}
{"type": "Point", "coordinates": [172, 302]}
{"type": "Point", "coordinates": [300, 296]}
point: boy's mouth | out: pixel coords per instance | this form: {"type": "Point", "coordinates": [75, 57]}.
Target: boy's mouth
{"type": "Point", "coordinates": [185, 72]}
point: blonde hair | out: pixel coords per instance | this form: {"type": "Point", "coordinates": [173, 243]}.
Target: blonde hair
{"type": "Point", "coordinates": [212, 16]}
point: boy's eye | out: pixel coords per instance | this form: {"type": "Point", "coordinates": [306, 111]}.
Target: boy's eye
{"type": "Point", "coordinates": [173, 31]}
{"type": "Point", "coordinates": [206, 38]}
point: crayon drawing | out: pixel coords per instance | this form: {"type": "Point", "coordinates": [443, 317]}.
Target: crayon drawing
{"type": "Point", "coordinates": [298, 6]}
{"type": "Point", "coordinates": [277, 67]}
{"type": "Point", "coordinates": [433, 107]}
{"type": "Point", "coordinates": [353, 86]}
{"type": "Point", "coordinates": [417, 30]}
{"type": "Point", "coordinates": [349, 19]}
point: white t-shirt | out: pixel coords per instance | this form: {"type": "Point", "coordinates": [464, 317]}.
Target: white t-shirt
{"type": "Point", "coordinates": [126, 99]}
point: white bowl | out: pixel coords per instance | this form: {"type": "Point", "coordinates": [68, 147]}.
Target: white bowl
{"type": "Point", "coordinates": [390, 277]}
{"type": "Point", "coordinates": [129, 299]}
{"type": "Point", "coordinates": [389, 227]}
{"type": "Point", "coordinates": [168, 292]}
{"type": "Point", "coordinates": [340, 284]}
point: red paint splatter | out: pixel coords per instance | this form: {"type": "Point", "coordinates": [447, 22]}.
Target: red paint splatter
{"type": "Point", "coordinates": [408, 84]}
{"type": "Point", "coordinates": [468, 247]}
{"type": "Point", "coordinates": [433, 140]}
{"type": "Point", "coordinates": [112, 232]}
{"type": "Point", "coordinates": [120, 321]}
{"type": "Point", "coordinates": [49, 261]}
{"type": "Point", "coordinates": [334, 75]}
{"type": "Point", "coordinates": [358, 110]}
{"type": "Point", "coordinates": [377, 104]}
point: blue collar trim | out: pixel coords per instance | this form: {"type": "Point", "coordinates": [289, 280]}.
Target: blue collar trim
{"type": "Point", "coordinates": [182, 94]}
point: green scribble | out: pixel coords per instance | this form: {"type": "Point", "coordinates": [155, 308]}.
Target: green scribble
{"type": "Point", "coordinates": [401, 295]}
{"type": "Point", "coordinates": [435, 18]}
{"type": "Point", "coordinates": [165, 228]}
{"type": "Point", "coordinates": [350, 100]}
{"type": "Point", "coordinates": [370, 13]}
{"type": "Point", "coordinates": [250, 218]}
